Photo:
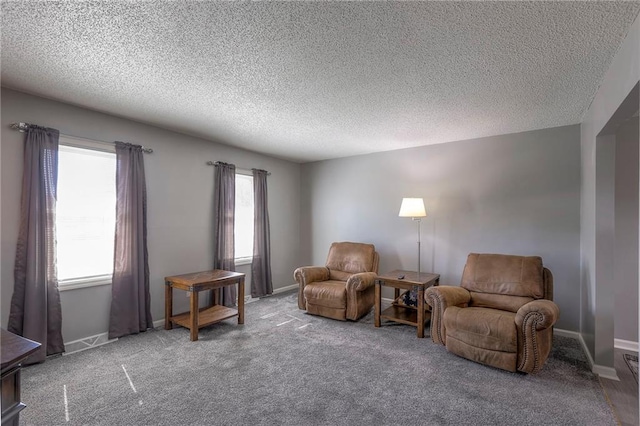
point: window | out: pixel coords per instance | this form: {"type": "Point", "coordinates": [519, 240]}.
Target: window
{"type": "Point", "coordinates": [243, 226]}
{"type": "Point", "coordinates": [85, 215]}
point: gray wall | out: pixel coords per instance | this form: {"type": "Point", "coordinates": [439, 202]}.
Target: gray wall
{"type": "Point", "coordinates": [597, 307]}
{"type": "Point", "coordinates": [515, 194]}
{"type": "Point", "coordinates": [605, 236]}
{"type": "Point", "coordinates": [626, 231]}
{"type": "Point", "coordinates": [180, 193]}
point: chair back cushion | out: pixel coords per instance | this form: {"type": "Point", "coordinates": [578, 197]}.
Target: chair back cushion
{"type": "Point", "coordinates": [346, 259]}
{"type": "Point", "coordinates": [503, 281]}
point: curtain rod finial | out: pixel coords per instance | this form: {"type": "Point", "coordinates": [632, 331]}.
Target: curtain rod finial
{"type": "Point", "coordinates": [21, 127]}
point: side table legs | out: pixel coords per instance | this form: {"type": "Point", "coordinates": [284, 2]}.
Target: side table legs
{"type": "Point", "coordinates": [194, 315]}
{"type": "Point", "coordinates": [378, 303]}
{"type": "Point", "coordinates": [420, 312]}
{"type": "Point", "coordinates": [241, 301]}
{"type": "Point", "coordinates": [168, 306]}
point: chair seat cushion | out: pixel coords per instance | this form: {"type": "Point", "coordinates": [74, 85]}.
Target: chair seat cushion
{"type": "Point", "coordinates": [331, 294]}
{"type": "Point", "coordinates": [484, 328]}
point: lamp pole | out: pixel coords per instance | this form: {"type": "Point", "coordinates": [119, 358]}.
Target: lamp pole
{"type": "Point", "coordinates": [414, 208]}
{"type": "Point", "coordinates": [417, 219]}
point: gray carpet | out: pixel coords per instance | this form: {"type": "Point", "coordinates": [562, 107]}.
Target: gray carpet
{"type": "Point", "coordinates": [284, 367]}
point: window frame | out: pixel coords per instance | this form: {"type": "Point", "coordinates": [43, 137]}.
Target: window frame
{"type": "Point", "coordinates": [94, 280]}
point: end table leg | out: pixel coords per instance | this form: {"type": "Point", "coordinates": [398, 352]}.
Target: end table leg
{"type": "Point", "coordinates": [378, 303]}
{"type": "Point", "coordinates": [168, 305]}
{"type": "Point", "coordinates": [420, 312]}
{"type": "Point", "coordinates": [241, 301]}
{"type": "Point", "coordinates": [194, 315]}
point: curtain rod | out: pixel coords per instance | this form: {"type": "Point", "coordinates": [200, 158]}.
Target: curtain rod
{"type": "Point", "coordinates": [22, 127]}
{"type": "Point", "coordinates": [213, 163]}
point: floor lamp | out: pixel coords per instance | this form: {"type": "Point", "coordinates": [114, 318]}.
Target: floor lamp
{"type": "Point", "coordinates": [414, 208]}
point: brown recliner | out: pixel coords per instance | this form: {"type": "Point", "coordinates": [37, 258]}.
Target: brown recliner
{"type": "Point", "coordinates": [344, 288]}
{"type": "Point", "coordinates": [502, 314]}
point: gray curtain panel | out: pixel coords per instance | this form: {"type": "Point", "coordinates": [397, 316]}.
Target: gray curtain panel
{"type": "Point", "coordinates": [261, 284]}
{"type": "Point", "coordinates": [224, 206]}
{"type": "Point", "coordinates": [130, 298]}
{"type": "Point", "coordinates": [35, 305]}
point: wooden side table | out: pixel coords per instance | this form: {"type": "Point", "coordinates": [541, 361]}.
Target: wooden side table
{"type": "Point", "coordinates": [15, 350]}
{"type": "Point", "coordinates": [415, 316]}
{"type": "Point", "coordinates": [194, 283]}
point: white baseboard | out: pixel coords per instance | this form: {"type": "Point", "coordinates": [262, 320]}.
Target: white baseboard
{"type": "Point", "coordinates": [600, 370]}
{"type": "Point", "coordinates": [247, 299]}
{"type": "Point", "coordinates": [103, 338]}
{"type": "Point", "coordinates": [87, 343]}
{"type": "Point", "coordinates": [286, 288]}
{"type": "Point", "coordinates": [566, 333]}
{"type": "Point", "coordinates": [626, 345]}
{"type": "Point", "coordinates": [605, 372]}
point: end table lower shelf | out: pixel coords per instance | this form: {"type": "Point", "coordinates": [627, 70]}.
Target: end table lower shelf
{"type": "Point", "coordinates": [206, 316]}
{"type": "Point", "coordinates": [404, 315]}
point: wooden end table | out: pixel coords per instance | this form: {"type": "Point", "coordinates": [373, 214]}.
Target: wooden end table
{"type": "Point", "coordinates": [194, 283]}
{"type": "Point", "coordinates": [15, 349]}
{"type": "Point", "coordinates": [410, 315]}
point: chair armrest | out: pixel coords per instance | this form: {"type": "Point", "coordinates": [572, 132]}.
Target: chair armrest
{"type": "Point", "coordinates": [534, 322]}
{"type": "Point", "coordinates": [445, 296]}
{"type": "Point", "coordinates": [440, 298]}
{"type": "Point", "coordinates": [540, 314]}
{"type": "Point", "coordinates": [307, 275]}
{"type": "Point", "coordinates": [361, 281]}
{"type": "Point", "coordinates": [360, 294]}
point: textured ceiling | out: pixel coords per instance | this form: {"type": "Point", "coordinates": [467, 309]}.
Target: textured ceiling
{"type": "Point", "coordinates": [310, 81]}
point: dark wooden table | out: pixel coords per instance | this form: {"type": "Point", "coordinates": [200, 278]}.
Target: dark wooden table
{"type": "Point", "coordinates": [398, 312]}
{"type": "Point", "coordinates": [15, 349]}
{"type": "Point", "coordinates": [194, 283]}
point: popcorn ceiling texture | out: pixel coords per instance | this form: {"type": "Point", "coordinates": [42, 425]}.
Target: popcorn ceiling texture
{"type": "Point", "coordinates": [310, 81]}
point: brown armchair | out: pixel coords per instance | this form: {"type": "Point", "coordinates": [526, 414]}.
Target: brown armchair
{"type": "Point", "coordinates": [344, 288]}
{"type": "Point", "coordinates": [502, 314]}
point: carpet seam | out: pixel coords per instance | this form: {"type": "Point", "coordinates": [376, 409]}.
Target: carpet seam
{"type": "Point", "coordinates": [606, 397]}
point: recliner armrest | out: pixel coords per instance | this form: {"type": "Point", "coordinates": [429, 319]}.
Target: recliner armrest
{"type": "Point", "coordinates": [535, 335]}
{"type": "Point", "coordinates": [309, 274]}
{"type": "Point", "coordinates": [361, 281]}
{"type": "Point", "coordinates": [440, 298]}
{"type": "Point", "coordinates": [360, 294]}
{"type": "Point", "coordinates": [446, 296]}
{"type": "Point", "coordinates": [540, 313]}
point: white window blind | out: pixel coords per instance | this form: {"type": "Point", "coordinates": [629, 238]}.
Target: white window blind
{"type": "Point", "coordinates": [243, 227]}
{"type": "Point", "coordinates": [85, 214]}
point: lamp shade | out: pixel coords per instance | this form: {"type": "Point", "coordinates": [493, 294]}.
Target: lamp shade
{"type": "Point", "coordinates": [412, 207]}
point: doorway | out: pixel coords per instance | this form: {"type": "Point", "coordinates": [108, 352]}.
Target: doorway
{"type": "Point", "coordinates": [617, 254]}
